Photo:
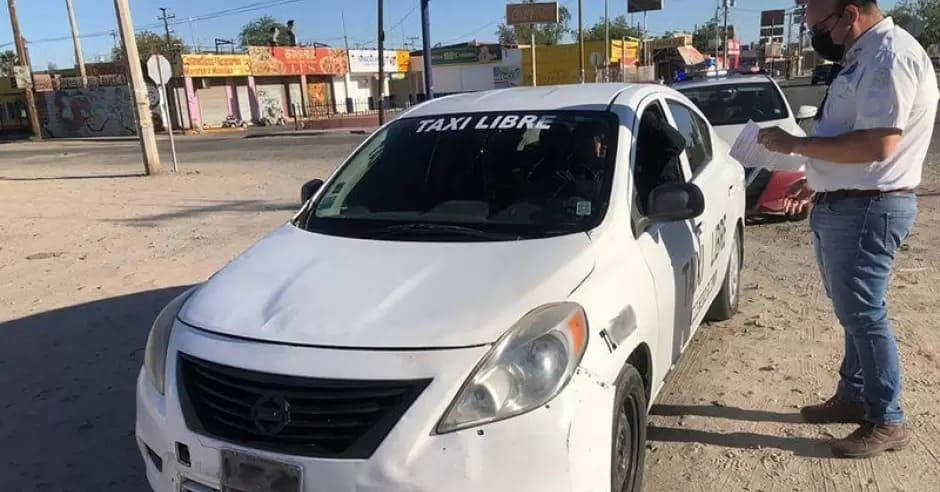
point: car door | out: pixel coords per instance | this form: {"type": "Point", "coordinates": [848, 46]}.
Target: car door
{"type": "Point", "coordinates": [670, 249]}
{"type": "Point", "coordinates": [711, 228]}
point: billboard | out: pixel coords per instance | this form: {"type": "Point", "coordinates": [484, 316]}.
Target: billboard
{"type": "Point", "coordinates": [487, 53]}
{"type": "Point", "coordinates": [216, 65]}
{"type": "Point", "coordinates": [532, 13]}
{"type": "Point", "coordinates": [280, 60]}
{"type": "Point", "coordinates": [507, 77]}
{"type": "Point", "coordinates": [367, 61]}
{"type": "Point", "coordinates": [644, 5]}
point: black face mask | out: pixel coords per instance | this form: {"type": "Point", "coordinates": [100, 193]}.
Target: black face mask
{"type": "Point", "coordinates": [827, 48]}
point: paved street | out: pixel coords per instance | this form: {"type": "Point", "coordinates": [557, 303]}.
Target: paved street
{"type": "Point", "coordinates": [90, 252]}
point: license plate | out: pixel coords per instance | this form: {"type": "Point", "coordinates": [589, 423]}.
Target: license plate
{"type": "Point", "coordinates": [246, 473]}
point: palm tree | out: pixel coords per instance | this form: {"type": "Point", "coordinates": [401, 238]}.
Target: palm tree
{"type": "Point", "coordinates": [8, 60]}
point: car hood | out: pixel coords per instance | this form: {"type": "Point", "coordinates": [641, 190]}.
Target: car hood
{"type": "Point", "coordinates": [303, 288]}
{"type": "Point", "coordinates": [729, 133]}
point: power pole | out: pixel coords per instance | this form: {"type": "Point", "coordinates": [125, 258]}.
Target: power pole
{"type": "Point", "coordinates": [726, 2]}
{"type": "Point", "coordinates": [346, 76]}
{"type": "Point", "coordinates": [24, 60]}
{"type": "Point", "coordinates": [166, 26]}
{"type": "Point", "coordinates": [148, 141]}
{"type": "Point", "coordinates": [79, 57]}
{"type": "Point", "coordinates": [426, 49]}
{"type": "Point", "coordinates": [580, 43]}
{"type": "Point", "coordinates": [381, 39]}
{"type": "Point", "coordinates": [606, 40]}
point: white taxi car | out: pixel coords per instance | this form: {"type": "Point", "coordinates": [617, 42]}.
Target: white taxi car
{"type": "Point", "coordinates": [486, 296]}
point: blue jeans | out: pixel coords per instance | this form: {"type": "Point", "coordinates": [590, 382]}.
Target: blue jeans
{"type": "Point", "coordinates": [856, 240]}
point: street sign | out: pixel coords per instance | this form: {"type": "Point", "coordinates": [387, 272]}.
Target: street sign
{"type": "Point", "coordinates": [532, 13]}
{"type": "Point", "coordinates": [159, 69]}
{"type": "Point", "coordinates": [23, 77]}
{"type": "Point", "coordinates": [643, 5]}
{"type": "Point", "coordinates": [773, 17]}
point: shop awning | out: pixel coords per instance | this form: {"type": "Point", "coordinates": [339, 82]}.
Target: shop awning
{"type": "Point", "coordinates": [690, 55]}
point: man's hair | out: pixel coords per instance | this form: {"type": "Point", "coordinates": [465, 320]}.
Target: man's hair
{"type": "Point", "coordinates": [862, 4]}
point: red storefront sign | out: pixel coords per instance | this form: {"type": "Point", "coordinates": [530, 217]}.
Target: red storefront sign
{"type": "Point", "coordinates": [297, 61]}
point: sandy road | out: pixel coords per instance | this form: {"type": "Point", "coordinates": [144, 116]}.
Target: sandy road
{"type": "Point", "coordinates": [86, 262]}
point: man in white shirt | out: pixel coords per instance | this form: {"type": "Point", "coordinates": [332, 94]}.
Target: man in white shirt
{"type": "Point", "coordinates": [865, 160]}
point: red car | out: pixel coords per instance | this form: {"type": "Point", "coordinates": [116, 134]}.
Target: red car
{"type": "Point", "coordinates": [729, 102]}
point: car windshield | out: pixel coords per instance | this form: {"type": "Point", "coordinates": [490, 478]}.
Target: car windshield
{"type": "Point", "coordinates": [479, 176]}
{"type": "Point", "coordinates": [736, 104]}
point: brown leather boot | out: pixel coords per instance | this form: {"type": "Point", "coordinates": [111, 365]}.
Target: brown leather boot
{"type": "Point", "coordinates": [871, 440]}
{"type": "Point", "coordinates": [834, 411]}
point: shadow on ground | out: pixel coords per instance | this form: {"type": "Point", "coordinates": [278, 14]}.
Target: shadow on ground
{"type": "Point", "coordinates": [67, 387]}
{"type": "Point", "coordinates": [799, 446]}
{"type": "Point", "coordinates": [210, 207]}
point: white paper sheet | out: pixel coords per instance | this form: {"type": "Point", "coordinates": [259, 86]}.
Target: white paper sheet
{"type": "Point", "coordinates": [752, 154]}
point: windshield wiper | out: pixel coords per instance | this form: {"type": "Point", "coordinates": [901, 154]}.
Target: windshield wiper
{"type": "Point", "coordinates": [424, 229]}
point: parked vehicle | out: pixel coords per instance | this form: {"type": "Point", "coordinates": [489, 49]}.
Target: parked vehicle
{"type": "Point", "coordinates": [492, 285]}
{"type": "Point", "coordinates": [231, 121]}
{"type": "Point", "coordinates": [824, 73]}
{"type": "Point", "coordinates": [729, 103]}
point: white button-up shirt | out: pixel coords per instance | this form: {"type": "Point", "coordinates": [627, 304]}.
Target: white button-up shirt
{"type": "Point", "coordinates": [887, 81]}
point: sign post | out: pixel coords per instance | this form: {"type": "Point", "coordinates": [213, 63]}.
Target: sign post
{"type": "Point", "coordinates": [160, 71]}
{"type": "Point", "coordinates": [531, 14]}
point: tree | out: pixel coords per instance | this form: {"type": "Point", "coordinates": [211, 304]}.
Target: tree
{"type": "Point", "coordinates": [619, 28]}
{"type": "Point", "coordinates": [8, 60]}
{"type": "Point", "coordinates": [704, 36]}
{"type": "Point", "coordinates": [920, 13]}
{"type": "Point", "coordinates": [150, 43]}
{"type": "Point", "coordinates": [544, 33]}
{"type": "Point", "coordinates": [52, 67]}
{"type": "Point", "coordinates": [258, 31]}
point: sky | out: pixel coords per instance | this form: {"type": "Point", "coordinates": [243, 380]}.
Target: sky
{"type": "Point", "coordinates": [45, 24]}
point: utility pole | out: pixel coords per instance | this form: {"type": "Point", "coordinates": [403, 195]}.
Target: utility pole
{"type": "Point", "coordinates": [717, 32]}
{"type": "Point", "coordinates": [79, 57]}
{"type": "Point", "coordinates": [726, 34]}
{"type": "Point", "coordinates": [346, 76]}
{"type": "Point", "coordinates": [166, 26]}
{"type": "Point", "coordinates": [426, 49]}
{"type": "Point", "coordinates": [580, 43]}
{"type": "Point", "coordinates": [148, 141]}
{"type": "Point", "coordinates": [788, 18]}
{"type": "Point", "coordinates": [381, 38]}
{"type": "Point", "coordinates": [24, 60]}
{"type": "Point", "coordinates": [606, 40]}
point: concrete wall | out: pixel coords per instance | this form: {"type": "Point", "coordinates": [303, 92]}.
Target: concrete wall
{"type": "Point", "coordinates": [92, 112]}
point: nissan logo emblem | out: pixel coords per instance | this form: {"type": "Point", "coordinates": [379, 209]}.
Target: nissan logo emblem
{"type": "Point", "coordinates": [271, 414]}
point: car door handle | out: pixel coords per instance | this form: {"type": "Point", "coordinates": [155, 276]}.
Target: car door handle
{"type": "Point", "coordinates": [731, 190]}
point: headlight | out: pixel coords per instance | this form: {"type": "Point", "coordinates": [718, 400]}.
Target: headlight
{"type": "Point", "coordinates": [159, 340]}
{"type": "Point", "coordinates": [530, 364]}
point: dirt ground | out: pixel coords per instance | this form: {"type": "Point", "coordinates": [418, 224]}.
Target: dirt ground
{"type": "Point", "coordinates": [89, 253]}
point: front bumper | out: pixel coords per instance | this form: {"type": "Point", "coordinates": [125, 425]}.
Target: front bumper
{"type": "Point", "coordinates": [562, 446]}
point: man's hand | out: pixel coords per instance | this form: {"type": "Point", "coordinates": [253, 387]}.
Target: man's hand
{"type": "Point", "coordinates": [777, 140]}
{"type": "Point", "coordinates": [797, 198]}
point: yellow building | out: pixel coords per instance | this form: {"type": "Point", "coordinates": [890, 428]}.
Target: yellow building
{"type": "Point", "coordinates": [558, 64]}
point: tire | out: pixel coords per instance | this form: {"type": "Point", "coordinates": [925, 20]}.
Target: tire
{"type": "Point", "coordinates": [628, 427]}
{"type": "Point", "coordinates": [726, 304]}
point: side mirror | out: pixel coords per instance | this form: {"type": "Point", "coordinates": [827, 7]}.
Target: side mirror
{"type": "Point", "coordinates": [806, 113]}
{"type": "Point", "coordinates": [673, 202]}
{"type": "Point", "coordinates": [309, 189]}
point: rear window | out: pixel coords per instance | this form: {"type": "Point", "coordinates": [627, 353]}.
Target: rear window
{"type": "Point", "coordinates": [736, 104]}
{"type": "Point", "coordinates": [530, 174]}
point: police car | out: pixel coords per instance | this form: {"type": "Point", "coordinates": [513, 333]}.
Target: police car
{"type": "Point", "coordinates": [486, 295]}
{"type": "Point", "coordinates": [729, 101]}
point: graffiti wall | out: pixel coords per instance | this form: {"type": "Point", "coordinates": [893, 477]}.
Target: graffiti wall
{"type": "Point", "coordinates": [92, 112]}
{"type": "Point", "coordinates": [96, 112]}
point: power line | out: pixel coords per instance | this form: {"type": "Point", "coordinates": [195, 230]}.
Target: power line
{"type": "Point", "coordinates": [155, 25]}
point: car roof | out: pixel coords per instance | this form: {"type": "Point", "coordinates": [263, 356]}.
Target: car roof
{"type": "Point", "coordinates": [723, 80]}
{"type": "Point", "coordinates": [587, 97]}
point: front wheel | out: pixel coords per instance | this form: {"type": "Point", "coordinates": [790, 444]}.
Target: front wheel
{"type": "Point", "coordinates": [629, 433]}
{"type": "Point", "coordinates": [726, 304]}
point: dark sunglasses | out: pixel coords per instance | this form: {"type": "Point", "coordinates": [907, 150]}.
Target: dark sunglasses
{"type": "Point", "coordinates": [816, 29]}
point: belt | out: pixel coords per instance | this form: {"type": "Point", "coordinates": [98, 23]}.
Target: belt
{"type": "Point", "coordinates": [834, 196]}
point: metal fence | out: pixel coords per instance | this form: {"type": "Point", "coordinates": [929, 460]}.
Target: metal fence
{"type": "Point", "coordinates": [352, 108]}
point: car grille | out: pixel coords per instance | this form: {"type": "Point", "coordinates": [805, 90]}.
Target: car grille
{"type": "Point", "coordinates": [325, 418]}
